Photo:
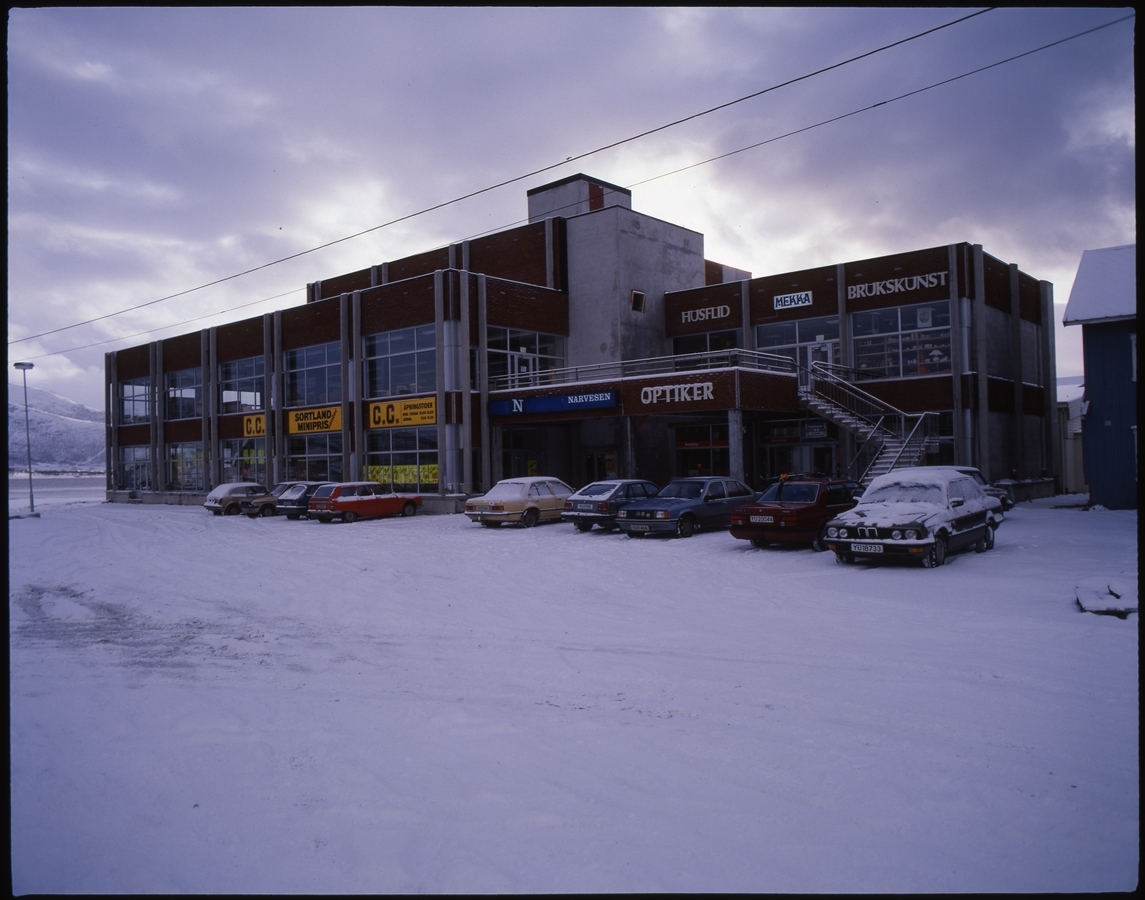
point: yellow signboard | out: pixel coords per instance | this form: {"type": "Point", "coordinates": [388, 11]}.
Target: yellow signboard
{"type": "Point", "coordinates": [402, 413]}
{"type": "Point", "coordinates": [254, 426]}
{"type": "Point", "coordinates": [402, 477]}
{"type": "Point", "coordinates": [314, 421]}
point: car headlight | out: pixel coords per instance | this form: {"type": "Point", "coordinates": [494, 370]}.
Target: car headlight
{"type": "Point", "coordinates": [661, 514]}
{"type": "Point", "coordinates": [842, 532]}
{"type": "Point", "coordinates": [623, 514]}
{"type": "Point", "coordinates": [896, 535]}
{"type": "Point", "coordinates": [910, 534]}
{"type": "Point", "coordinates": [832, 532]}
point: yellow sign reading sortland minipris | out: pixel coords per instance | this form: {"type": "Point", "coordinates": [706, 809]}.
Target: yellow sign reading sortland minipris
{"type": "Point", "coordinates": [314, 421]}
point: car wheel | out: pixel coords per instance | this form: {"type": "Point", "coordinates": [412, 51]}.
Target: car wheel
{"type": "Point", "coordinates": [267, 511]}
{"type": "Point", "coordinates": [409, 509]}
{"type": "Point", "coordinates": [293, 518]}
{"type": "Point", "coordinates": [987, 540]}
{"type": "Point", "coordinates": [584, 526]}
{"type": "Point", "coordinates": [325, 520]}
{"type": "Point", "coordinates": [844, 558]}
{"type": "Point", "coordinates": [819, 545]}
{"type": "Point", "coordinates": [349, 517]}
{"type": "Point", "coordinates": [529, 518]}
{"type": "Point", "coordinates": [232, 510]}
{"type": "Point", "coordinates": [685, 526]}
{"type": "Point", "coordinates": [937, 555]}
{"type": "Point", "coordinates": [758, 543]}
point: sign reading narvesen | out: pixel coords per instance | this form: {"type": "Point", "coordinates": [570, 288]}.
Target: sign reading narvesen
{"type": "Point", "coordinates": [254, 426]}
{"type": "Point", "coordinates": [310, 421]}
{"type": "Point", "coordinates": [553, 403]}
{"type": "Point", "coordinates": [402, 413]}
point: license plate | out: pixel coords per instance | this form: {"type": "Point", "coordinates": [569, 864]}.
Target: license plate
{"type": "Point", "coordinates": [763, 520]}
{"type": "Point", "coordinates": [588, 507]}
{"type": "Point", "coordinates": [867, 548]}
{"type": "Point", "coordinates": [639, 527]}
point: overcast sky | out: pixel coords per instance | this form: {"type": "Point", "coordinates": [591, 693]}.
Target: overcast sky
{"type": "Point", "coordinates": [151, 151]}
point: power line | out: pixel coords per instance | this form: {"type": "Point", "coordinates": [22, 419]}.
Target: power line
{"type": "Point", "coordinates": [502, 184]}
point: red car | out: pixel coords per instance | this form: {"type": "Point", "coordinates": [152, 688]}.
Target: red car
{"type": "Point", "coordinates": [794, 510]}
{"type": "Point", "coordinates": [359, 500]}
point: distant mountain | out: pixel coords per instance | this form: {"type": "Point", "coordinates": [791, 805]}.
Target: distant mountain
{"type": "Point", "coordinates": [66, 436]}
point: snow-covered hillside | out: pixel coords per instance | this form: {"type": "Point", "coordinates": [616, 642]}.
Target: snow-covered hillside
{"type": "Point", "coordinates": [66, 436]}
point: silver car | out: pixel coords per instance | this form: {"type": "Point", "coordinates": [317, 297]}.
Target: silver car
{"type": "Point", "coordinates": [598, 503]}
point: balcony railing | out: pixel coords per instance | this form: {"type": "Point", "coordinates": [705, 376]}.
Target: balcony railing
{"type": "Point", "coordinates": [636, 368]}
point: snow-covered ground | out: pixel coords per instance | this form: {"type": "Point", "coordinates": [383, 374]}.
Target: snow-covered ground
{"type": "Point", "coordinates": [205, 704]}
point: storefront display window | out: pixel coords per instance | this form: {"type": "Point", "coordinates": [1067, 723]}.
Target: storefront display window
{"type": "Point", "coordinates": [805, 341]}
{"type": "Point", "coordinates": [242, 385]}
{"type": "Point", "coordinates": [243, 460]}
{"type": "Point", "coordinates": [709, 342]}
{"type": "Point", "coordinates": [403, 458]}
{"type": "Point", "coordinates": [314, 375]}
{"type": "Point", "coordinates": [521, 358]}
{"type": "Point", "coordinates": [184, 394]}
{"type": "Point", "coordinates": [185, 466]}
{"type": "Point", "coordinates": [315, 457]}
{"type": "Point", "coordinates": [903, 341]}
{"type": "Point", "coordinates": [133, 469]}
{"type": "Point", "coordinates": [702, 450]}
{"type": "Point", "coordinates": [401, 362]}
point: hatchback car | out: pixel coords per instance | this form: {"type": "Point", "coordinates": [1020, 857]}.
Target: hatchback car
{"type": "Point", "coordinates": [921, 514]}
{"type": "Point", "coordinates": [527, 501]}
{"type": "Point", "coordinates": [684, 505]}
{"type": "Point", "coordinates": [266, 505]}
{"type": "Point", "coordinates": [295, 500]}
{"type": "Point", "coordinates": [226, 499]}
{"type": "Point", "coordinates": [597, 503]}
{"type": "Point", "coordinates": [794, 510]}
{"type": "Point", "coordinates": [355, 500]}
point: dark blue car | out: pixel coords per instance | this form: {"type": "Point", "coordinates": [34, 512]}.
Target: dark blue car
{"type": "Point", "coordinates": [685, 505]}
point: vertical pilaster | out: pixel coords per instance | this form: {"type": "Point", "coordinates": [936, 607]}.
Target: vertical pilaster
{"type": "Point", "coordinates": [445, 473]}
{"type": "Point", "coordinates": [978, 307]}
{"type": "Point", "coordinates": [1018, 463]}
{"type": "Point", "coordinates": [357, 390]}
{"type": "Point", "coordinates": [958, 353]}
{"type": "Point", "coordinates": [465, 386]}
{"type": "Point", "coordinates": [211, 409]}
{"type": "Point", "coordinates": [348, 471]}
{"type": "Point", "coordinates": [483, 382]}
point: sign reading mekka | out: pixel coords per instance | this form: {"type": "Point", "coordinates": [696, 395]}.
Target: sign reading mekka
{"type": "Point", "coordinates": [787, 301]}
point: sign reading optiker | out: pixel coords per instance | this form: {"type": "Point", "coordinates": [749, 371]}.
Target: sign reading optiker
{"type": "Point", "coordinates": [787, 301]}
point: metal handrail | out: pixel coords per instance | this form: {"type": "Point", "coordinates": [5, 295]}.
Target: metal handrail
{"type": "Point", "coordinates": [656, 365]}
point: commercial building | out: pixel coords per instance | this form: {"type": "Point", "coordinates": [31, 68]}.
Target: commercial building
{"type": "Point", "coordinates": [1104, 303]}
{"type": "Point", "coordinates": [597, 341]}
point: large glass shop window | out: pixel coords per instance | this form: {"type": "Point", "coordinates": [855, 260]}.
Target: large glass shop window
{"type": "Point", "coordinates": [185, 466]}
{"type": "Point", "coordinates": [804, 340]}
{"type": "Point", "coordinates": [242, 385]}
{"type": "Point", "coordinates": [133, 469]}
{"type": "Point", "coordinates": [401, 362]}
{"type": "Point", "coordinates": [314, 375]}
{"type": "Point", "coordinates": [404, 458]}
{"type": "Point", "coordinates": [521, 358]}
{"type": "Point", "coordinates": [243, 459]}
{"type": "Point", "coordinates": [134, 401]}
{"type": "Point", "coordinates": [314, 457]}
{"type": "Point", "coordinates": [709, 342]}
{"type": "Point", "coordinates": [184, 394]}
{"type": "Point", "coordinates": [903, 341]}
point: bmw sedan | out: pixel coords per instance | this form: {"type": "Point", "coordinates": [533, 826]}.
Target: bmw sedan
{"type": "Point", "coordinates": [684, 506]}
{"type": "Point", "coordinates": [598, 503]}
{"type": "Point", "coordinates": [920, 514]}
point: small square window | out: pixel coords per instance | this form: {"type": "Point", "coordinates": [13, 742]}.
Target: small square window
{"type": "Point", "coordinates": [637, 301]}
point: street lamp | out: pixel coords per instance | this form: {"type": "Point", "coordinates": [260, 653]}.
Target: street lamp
{"type": "Point", "coordinates": [24, 367]}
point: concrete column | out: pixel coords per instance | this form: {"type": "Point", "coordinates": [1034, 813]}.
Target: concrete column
{"type": "Point", "coordinates": [211, 409]}
{"type": "Point", "coordinates": [155, 393]}
{"type": "Point", "coordinates": [110, 419]}
{"type": "Point", "coordinates": [1051, 428]}
{"type": "Point", "coordinates": [978, 329]}
{"type": "Point", "coordinates": [356, 391]}
{"type": "Point", "coordinates": [957, 352]}
{"type": "Point", "coordinates": [277, 400]}
{"type": "Point", "coordinates": [274, 464]}
{"type": "Point", "coordinates": [735, 443]}
{"type": "Point", "coordinates": [487, 449]}
{"type": "Point", "coordinates": [846, 343]}
{"type": "Point", "coordinates": [1018, 424]}
{"type": "Point", "coordinates": [745, 306]}
{"type": "Point", "coordinates": [464, 385]}
{"type": "Point", "coordinates": [160, 417]}
{"type": "Point", "coordinates": [347, 414]}
{"type": "Point", "coordinates": [208, 418]}
{"type": "Point", "coordinates": [445, 474]}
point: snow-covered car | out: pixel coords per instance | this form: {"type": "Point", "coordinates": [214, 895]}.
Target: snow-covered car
{"type": "Point", "coordinates": [597, 503]}
{"type": "Point", "coordinates": [527, 501]}
{"type": "Point", "coordinates": [266, 505]}
{"type": "Point", "coordinates": [355, 500]}
{"type": "Point", "coordinates": [794, 510]}
{"type": "Point", "coordinates": [921, 514]}
{"type": "Point", "coordinates": [1003, 490]}
{"type": "Point", "coordinates": [295, 500]}
{"type": "Point", "coordinates": [685, 505]}
{"type": "Point", "coordinates": [227, 499]}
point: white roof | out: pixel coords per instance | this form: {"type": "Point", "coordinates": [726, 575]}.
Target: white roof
{"type": "Point", "coordinates": [1105, 288]}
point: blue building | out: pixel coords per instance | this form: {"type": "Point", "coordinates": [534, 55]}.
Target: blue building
{"type": "Point", "coordinates": [1104, 303]}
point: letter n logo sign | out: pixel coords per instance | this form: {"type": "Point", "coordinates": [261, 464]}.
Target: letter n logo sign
{"type": "Point", "coordinates": [518, 406]}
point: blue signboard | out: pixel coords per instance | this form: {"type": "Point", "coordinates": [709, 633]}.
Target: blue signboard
{"type": "Point", "coordinates": [553, 403]}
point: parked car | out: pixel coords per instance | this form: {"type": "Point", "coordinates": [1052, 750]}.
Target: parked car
{"type": "Point", "coordinates": [922, 514]}
{"type": "Point", "coordinates": [266, 505]}
{"type": "Point", "coordinates": [355, 500]}
{"type": "Point", "coordinates": [684, 505]}
{"type": "Point", "coordinates": [522, 500]}
{"type": "Point", "coordinates": [295, 500]}
{"type": "Point", "coordinates": [226, 499]}
{"type": "Point", "coordinates": [794, 510]}
{"type": "Point", "coordinates": [597, 503]}
{"type": "Point", "coordinates": [1004, 491]}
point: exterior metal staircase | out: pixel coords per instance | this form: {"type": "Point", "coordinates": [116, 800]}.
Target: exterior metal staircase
{"type": "Point", "coordinates": [887, 438]}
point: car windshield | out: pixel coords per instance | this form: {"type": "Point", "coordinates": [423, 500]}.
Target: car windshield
{"type": "Point", "coordinates": [506, 490]}
{"type": "Point", "coordinates": [280, 489]}
{"type": "Point", "coordinates": [597, 490]}
{"type": "Point", "coordinates": [790, 492]}
{"type": "Point", "coordinates": [294, 493]}
{"type": "Point", "coordinates": [325, 491]}
{"type": "Point", "coordinates": [905, 492]}
{"type": "Point", "coordinates": [682, 490]}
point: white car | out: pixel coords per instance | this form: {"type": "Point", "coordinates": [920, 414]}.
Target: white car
{"type": "Point", "coordinates": [227, 499]}
{"type": "Point", "coordinates": [921, 513]}
{"type": "Point", "coordinates": [524, 500]}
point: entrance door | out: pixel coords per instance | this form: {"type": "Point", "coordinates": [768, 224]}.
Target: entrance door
{"type": "Point", "coordinates": [825, 352]}
{"type": "Point", "coordinates": [522, 370]}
